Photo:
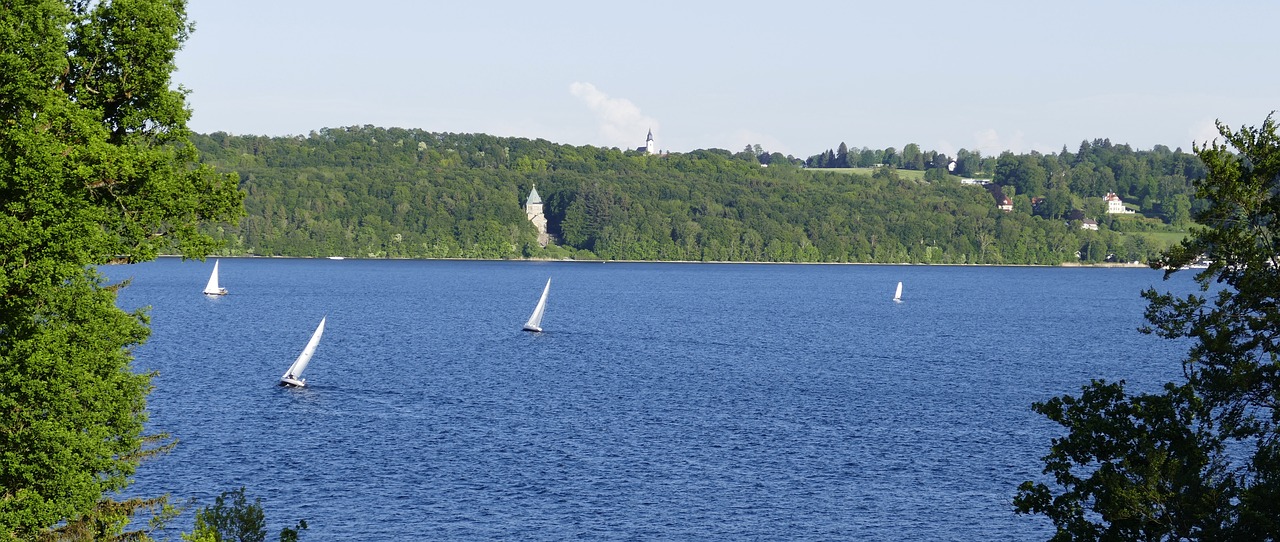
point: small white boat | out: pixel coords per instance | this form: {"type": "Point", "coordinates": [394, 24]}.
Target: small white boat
{"type": "Point", "coordinates": [897, 294]}
{"type": "Point", "coordinates": [336, 257]}
{"type": "Point", "coordinates": [293, 377]}
{"type": "Point", "coordinates": [535, 320]}
{"type": "Point", "coordinates": [212, 288]}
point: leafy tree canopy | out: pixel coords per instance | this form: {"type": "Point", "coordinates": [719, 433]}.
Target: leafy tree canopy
{"type": "Point", "coordinates": [95, 167]}
{"type": "Point", "coordinates": [1202, 459]}
{"type": "Point", "coordinates": [364, 191]}
{"type": "Point", "coordinates": [232, 518]}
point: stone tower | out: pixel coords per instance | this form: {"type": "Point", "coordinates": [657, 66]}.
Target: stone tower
{"type": "Point", "coordinates": [533, 208]}
{"type": "Point", "coordinates": [648, 143]}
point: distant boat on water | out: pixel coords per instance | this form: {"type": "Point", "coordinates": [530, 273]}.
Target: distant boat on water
{"type": "Point", "coordinates": [212, 287]}
{"type": "Point", "coordinates": [293, 377]}
{"type": "Point", "coordinates": [535, 320]}
{"type": "Point", "coordinates": [336, 257]}
{"type": "Point", "coordinates": [897, 294]}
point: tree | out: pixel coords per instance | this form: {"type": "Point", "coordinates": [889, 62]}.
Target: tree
{"type": "Point", "coordinates": [967, 162]}
{"type": "Point", "coordinates": [777, 160]}
{"type": "Point", "coordinates": [96, 167]}
{"type": "Point", "coordinates": [1177, 209]}
{"type": "Point", "coordinates": [912, 158]}
{"type": "Point", "coordinates": [1095, 208]}
{"type": "Point", "coordinates": [1202, 459]}
{"type": "Point", "coordinates": [891, 157]}
{"type": "Point", "coordinates": [1147, 479]}
{"type": "Point", "coordinates": [1021, 171]}
{"type": "Point", "coordinates": [1056, 204]}
{"type": "Point", "coordinates": [232, 518]}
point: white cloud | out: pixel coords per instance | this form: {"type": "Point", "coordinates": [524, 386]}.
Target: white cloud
{"type": "Point", "coordinates": [945, 147]}
{"type": "Point", "coordinates": [1203, 132]}
{"type": "Point", "coordinates": [621, 123]}
{"type": "Point", "coordinates": [991, 143]}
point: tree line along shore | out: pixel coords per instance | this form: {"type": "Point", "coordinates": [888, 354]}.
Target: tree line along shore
{"type": "Point", "coordinates": [375, 192]}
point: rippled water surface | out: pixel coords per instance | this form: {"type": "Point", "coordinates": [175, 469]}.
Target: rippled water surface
{"type": "Point", "coordinates": [663, 401]}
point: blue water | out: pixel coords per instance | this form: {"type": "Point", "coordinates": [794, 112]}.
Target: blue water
{"type": "Point", "coordinates": [663, 401]}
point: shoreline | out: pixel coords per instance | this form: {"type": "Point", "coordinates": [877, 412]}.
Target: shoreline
{"type": "Point", "coordinates": [1119, 265]}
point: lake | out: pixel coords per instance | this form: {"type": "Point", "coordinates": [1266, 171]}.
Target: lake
{"type": "Point", "coordinates": [662, 401]}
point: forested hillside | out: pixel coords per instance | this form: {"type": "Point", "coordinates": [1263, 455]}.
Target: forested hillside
{"type": "Point", "coordinates": [374, 192]}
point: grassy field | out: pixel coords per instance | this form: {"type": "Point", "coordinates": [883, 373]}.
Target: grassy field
{"type": "Point", "coordinates": [1169, 237]}
{"type": "Point", "coordinates": [903, 173]}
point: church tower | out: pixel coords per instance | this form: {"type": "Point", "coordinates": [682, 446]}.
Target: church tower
{"type": "Point", "coordinates": [648, 143]}
{"type": "Point", "coordinates": [533, 209]}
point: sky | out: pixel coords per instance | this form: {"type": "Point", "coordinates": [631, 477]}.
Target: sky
{"type": "Point", "coordinates": [797, 77]}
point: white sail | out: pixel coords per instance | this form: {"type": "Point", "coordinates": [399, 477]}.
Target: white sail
{"type": "Point", "coordinates": [535, 320]}
{"type": "Point", "coordinates": [212, 288]}
{"type": "Point", "coordinates": [293, 376]}
{"type": "Point", "coordinates": [897, 295]}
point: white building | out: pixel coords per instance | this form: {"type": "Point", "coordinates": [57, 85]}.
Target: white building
{"type": "Point", "coordinates": [1114, 205]}
{"type": "Point", "coordinates": [533, 208]}
{"type": "Point", "coordinates": [648, 147]}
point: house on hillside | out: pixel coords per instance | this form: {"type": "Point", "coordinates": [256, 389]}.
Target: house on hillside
{"type": "Point", "coordinates": [1114, 205]}
{"type": "Point", "coordinates": [1076, 215]}
{"type": "Point", "coordinates": [1003, 202]}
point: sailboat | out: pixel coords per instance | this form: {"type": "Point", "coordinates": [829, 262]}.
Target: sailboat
{"type": "Point", "coordinates": [293, 377]}
{"type": "Point", "coordinates": [212, 288]}
{"type": "Point", "coordinates": [535, 320]}
{"type": "Point", "coordinates": [897, 294]}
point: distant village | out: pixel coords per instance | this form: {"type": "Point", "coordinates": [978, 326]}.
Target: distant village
{"type": "Point", "coordinates": [533, 205]}
{"type": "Point", "coordinates": [1115, 206]}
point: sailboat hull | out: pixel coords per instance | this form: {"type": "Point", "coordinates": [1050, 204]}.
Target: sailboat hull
{"type": "Point", "coordinates": [293, 383]}
{"type": "Point", "coordinates": [534, 329]}
{"type": "Point", "coordinates": [220, 291]}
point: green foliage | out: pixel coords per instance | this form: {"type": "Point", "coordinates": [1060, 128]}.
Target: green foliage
{"type": "Point", "coordinates": [110, 519]}
{"type": "Point", "coordinates": [232, 518]}
{"type": "Point", "coordinates": [385, 193]}
{"type": "Point", "coordinates": [235, 521]}
{"type": "Point", "coordinates": [291, 534]}
{"type": "Point", "coordinates": [95, 167]}
{"type": "Point", "coordinates": [1201, 460]}
{"type": "Point", "coordinates": [1178, 210]}
{"type": "Point", "coordinates": [1130, 468]}
{"type": "Point", "coordinates": [1160, 178]}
